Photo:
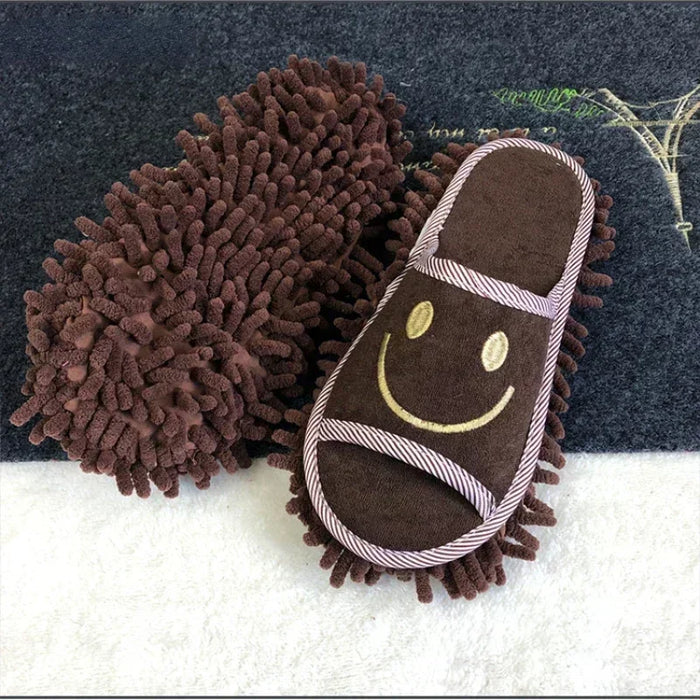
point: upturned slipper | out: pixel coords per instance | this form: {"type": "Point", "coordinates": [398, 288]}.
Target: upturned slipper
{"type": "Point", "coordinates": [174, 336]}
{"type": "Point", "coordinates": [425, 438]}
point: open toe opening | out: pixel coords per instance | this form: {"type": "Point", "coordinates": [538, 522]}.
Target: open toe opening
{"type": "Point", "coordinates": [388, 503]}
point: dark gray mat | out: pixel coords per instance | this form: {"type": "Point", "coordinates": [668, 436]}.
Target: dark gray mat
{"type": "Point", "coordinates": [92, 91]}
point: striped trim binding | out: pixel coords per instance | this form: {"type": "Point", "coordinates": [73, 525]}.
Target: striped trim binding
{"type": "Point", "coordinates": [412, 453]}
{"type": "Point", "coordinates": [477, 283]}
{"type": "Point", "coordinates": [560, 297]}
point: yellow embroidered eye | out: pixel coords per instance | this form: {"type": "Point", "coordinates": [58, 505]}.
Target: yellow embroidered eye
{"type": "Point", "coordinates": [494, 352]}
{"type": "Point", "coordinates": [419, 319]}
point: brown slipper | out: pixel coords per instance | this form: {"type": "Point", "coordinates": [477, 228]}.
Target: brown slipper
{"type": "Point", "coordinates": [425, 438]}
{"type": "Point", "coordinates": [174, 336]}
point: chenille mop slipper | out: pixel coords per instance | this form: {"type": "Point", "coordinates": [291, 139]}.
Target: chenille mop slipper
{"type": "Point", "coordinates": [424, 440]}
{"type": "Point", "coordinates": [177, 332]}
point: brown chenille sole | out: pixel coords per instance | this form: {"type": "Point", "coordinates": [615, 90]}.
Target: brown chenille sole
{"type": "Point", "coordinates": [180, 328]}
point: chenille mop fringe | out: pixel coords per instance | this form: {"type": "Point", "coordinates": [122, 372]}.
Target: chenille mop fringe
{"type": "Point", "coordinates": [183, 324]}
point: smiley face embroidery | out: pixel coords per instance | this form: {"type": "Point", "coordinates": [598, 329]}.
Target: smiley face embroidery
{"type": "Point", "coordinates": [493, 355]}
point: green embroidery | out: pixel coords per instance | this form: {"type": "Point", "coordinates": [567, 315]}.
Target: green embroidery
{"type": "Point", "coordinates": [550, 101]}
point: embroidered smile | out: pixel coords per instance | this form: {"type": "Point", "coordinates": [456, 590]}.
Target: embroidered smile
{"type": "Point", "coordinates": [493, 355]}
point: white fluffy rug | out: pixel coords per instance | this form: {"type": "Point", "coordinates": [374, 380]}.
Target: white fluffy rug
{"type": "Point", "coordinates": [215, 593]}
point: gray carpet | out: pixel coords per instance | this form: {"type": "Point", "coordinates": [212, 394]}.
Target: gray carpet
{"type": "Point", "coordinates": [92, 91]}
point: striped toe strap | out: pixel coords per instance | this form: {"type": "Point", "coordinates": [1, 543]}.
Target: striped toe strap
{"type": "Point", "coordinates": [504, 293]}
{"type": "Point", "coordinates": [413, 454]}
{"type": "Point", "coordinates": [424, 260]}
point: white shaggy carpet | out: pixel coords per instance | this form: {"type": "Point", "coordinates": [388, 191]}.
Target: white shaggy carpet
{"type": "Point", "coordinates": [215, 593]}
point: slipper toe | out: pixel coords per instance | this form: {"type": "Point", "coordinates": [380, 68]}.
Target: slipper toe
{"type": "Point", "coordinates": [388, 503]}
